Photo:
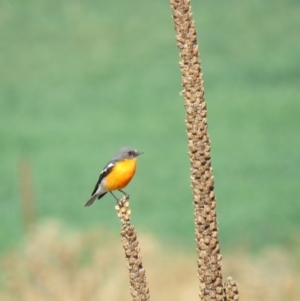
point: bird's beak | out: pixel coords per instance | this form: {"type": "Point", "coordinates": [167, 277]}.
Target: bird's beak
{"type": "Point", "coordinates": [139, 153]}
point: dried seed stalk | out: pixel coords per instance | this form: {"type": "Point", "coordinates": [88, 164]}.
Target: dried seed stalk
{"type": "Point", "coordinates": [209, 258]}
{"type": "Point", "coordinates": [27, 194]}
{"type": "Point", "coordinates": [137, 275]}
{"type": "Point", "coordinates": [231, 290]}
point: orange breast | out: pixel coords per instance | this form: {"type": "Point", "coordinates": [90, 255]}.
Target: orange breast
{"type": "Point", "coordinates": [121, 174]}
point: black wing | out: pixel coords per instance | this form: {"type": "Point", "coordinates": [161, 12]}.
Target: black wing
{"type": "Point", "coordinates": [106, 170]}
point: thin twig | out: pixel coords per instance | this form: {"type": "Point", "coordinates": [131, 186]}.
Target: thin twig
{"type": "Point", "coordinates": [27, 194]}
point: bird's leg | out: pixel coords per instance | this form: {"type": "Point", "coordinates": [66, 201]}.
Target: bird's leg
{"type": "Point", "coordinates": [126, 194]}
{"type": "Point", "coordinates": [114, 197]}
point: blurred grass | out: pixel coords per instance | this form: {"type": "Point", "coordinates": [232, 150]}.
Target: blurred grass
{"type": "Point", "coordinates": [79, 80]}
{"type": "Point", "coordinates": [89, 265]}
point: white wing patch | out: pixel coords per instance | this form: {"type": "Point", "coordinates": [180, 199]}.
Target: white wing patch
{"type": "Point", "coordinates": [105, 171]}
{"type": "Point", "coordinates": [100, 187]}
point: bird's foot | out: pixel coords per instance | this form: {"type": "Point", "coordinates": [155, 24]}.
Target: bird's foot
{"type": "Point", "coordinates": [125, 194]}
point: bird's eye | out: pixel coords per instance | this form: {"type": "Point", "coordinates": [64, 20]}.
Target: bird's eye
{"type": "Point", "coordinates": [130, 153]}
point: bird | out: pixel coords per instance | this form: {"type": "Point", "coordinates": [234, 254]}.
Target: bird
{"type": "Point", "coordinates": [116, 174]}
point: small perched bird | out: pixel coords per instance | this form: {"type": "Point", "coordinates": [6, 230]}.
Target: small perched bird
{"type": "Point", "coordinates": [116, 174]}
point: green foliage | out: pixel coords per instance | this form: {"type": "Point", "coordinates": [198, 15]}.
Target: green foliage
{"type": "Point", "coordinates": [79, 79]}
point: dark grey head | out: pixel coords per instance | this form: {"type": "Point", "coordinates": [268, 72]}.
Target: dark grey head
{"type": "Point", "coordinates": [126, 153]}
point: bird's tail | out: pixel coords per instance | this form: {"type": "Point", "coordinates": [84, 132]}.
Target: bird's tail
{"type": "Point", "coordinates": [93, 198]}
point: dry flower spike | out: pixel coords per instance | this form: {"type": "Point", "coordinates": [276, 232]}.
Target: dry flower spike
{"type": "Point", "coordinates": [205, 219]}
{"type": "Point", "coordinates": [231, 290]}
{"type": "Point", "coordinates": [137, 276]}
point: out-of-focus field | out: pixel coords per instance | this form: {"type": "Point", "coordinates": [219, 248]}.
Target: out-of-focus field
{"type": "Point", "coordinates": [58, 264]}
{"type": "Point", "coordinates": [79, 79]}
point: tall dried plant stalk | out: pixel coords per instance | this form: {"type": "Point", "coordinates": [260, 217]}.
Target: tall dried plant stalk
{"type": "Point", "coordinates": [209, 257]}
{"type": "Point", "coordinates": [27, 194]}
{"type": "Point", "coordinates": [137, 275]}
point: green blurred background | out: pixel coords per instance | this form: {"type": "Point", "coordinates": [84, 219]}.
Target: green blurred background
{"type": "Point", "coordinates": [80, 79]}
